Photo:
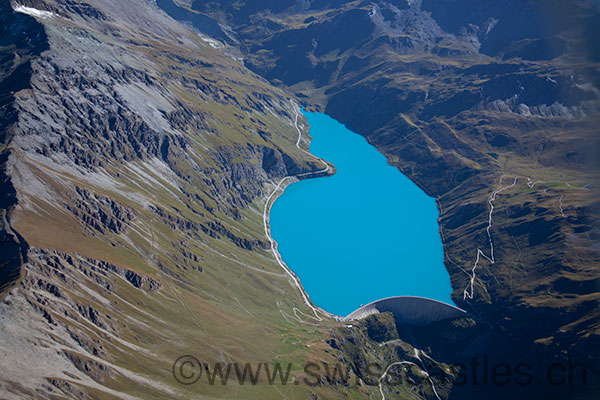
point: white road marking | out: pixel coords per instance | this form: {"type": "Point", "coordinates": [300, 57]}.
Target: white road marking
{"type": "Point", "coordinates": [469, 290]}
{"type": "Point", "coordinates": [269, 203]}
{"type": "Point", "coordinates": [531, 183]}
{"type": "Point", "coordinates": [404, 363]}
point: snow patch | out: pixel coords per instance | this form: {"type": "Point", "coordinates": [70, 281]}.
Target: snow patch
{"type": "Point", "coordinates": [34, 12]}
{"type": "Point", "coordinates": [215, 44]}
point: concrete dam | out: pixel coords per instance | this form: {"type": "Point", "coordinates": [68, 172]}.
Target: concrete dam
{"type": "Point", "coordinates": [410, 310]}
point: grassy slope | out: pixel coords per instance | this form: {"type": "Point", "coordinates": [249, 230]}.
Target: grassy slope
{"type": "Point", "coordinates": [137, 160]}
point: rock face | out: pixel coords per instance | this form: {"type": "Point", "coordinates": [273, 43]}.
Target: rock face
{"type": "Point", "coordinates": [25, 39]}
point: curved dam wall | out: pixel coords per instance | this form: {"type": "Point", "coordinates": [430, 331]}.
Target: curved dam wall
{"type": "Point", "coordinates": [409, 310]}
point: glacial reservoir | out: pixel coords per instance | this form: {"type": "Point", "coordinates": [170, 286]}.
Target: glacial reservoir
{"type": "Point", "coordinates": [365, 233]}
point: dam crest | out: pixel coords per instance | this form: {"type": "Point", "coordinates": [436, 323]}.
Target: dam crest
{"type": "Point", "coordinates": [410, 310]}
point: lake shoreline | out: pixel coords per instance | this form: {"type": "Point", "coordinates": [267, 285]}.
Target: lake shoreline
{"type": "Point", "coordinates": [384, 180]}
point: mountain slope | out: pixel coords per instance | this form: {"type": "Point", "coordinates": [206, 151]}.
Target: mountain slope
{"type": "Point", "coordinates": [137, 157]}
{"type": "Point", "coordinates": [489, 107]}
{"type": "Point", "coordinates": [139, 160]}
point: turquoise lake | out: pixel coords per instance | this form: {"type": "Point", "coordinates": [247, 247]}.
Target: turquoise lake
{"type": "Point", "coordinates": [365, 233]}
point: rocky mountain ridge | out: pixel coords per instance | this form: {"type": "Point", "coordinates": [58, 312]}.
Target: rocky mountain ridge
{"type": "Point", "coordinates": [137, 156]}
